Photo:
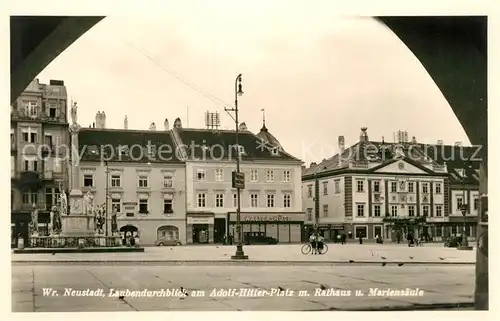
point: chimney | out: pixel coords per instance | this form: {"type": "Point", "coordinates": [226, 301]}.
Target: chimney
{"type": "Point", "coordinates": [363, 136]}
{"type": "Point", "coordinates": [177, 123]}
{"type": "Point", "coordinates": [242, 127]}
{"type": "Point", "coordinates": [93, 125]}
{"type": "Point", "coordinates": [341, 142]}
{"type": "Point", "coordinates": [125, 123]}
{"type": "Point", "coordinates": [413, 140]}
{"type": "Point", "coordinates": [165, 124]}
{"type": "Point", "coordinates": [312, 164]}
{"type": "Point", "coordinates": [100, 120]}
{"type": "Point", "coordinates": [440, 142]}
{"type": "Point", "coordinates": [152, 126]}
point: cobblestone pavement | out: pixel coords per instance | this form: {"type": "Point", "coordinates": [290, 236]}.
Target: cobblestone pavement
{"type": "Point", "coordinates": [441, 284]}
{"type": "Point", "coordinates": [433, 253]}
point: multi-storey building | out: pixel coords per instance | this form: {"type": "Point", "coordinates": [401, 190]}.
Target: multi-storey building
{"type": "Point", "coordinates": [138, 175]}
{"type": "Point", "coordinates": [271, 201]}
{"type": "Point", "coordinates": [360, 186]}
{"type": "Point", "coordinates": [39, 139]}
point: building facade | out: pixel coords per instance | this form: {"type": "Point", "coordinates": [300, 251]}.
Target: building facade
{"type": "Point", "coordinates": [39, 147]}
{"type": "Point", "coordinates": [137, 175]}
{"type": "Point", "coordinates": [270, 202]}
{"type": "Point", "coordinates": [368, 187]}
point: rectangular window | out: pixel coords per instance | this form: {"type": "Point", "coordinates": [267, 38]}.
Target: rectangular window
{"type": "Point", "coordinates": [309, 191]}
{"type": "Point", "coordinates": [270, 175]}
{"type": "Point", "coordinates": [325, 210]}
{"type": "Point", "coordinates": [425, 210]}
{"type": "Point", "coordinates": [168, 181]}
{"type": "Point", "coordinates": [26, 137]}
{"type": "Point", "coordinates": [270, 200]}
{"type": "Point", "coordinates": [394, 187]}
{"type": "Point", "coordinates": [287, 200]}
{"type": "Point", "coordinates": [143, 206]}
{"type": "Point", "coordinates": [254, 176]}
{"type": "Point", "coordinates": [425, 188]}
{"type": "Point", "coordinates": [411, 187]}
{"type": "Point", "coordinates": [26, 166]}
{"type": "Point", "coordinates": [360, 186]}
{"type": "Point", "coordinates": [394, 210]}
{"type": "Point", "coordinates": [219, 174]}
{"type": "Point", "coordinates": [143, 181]}
{"type": "Point", "coordinates": [219, 200]}
{"type": "Point", "coordinates": [309, 214]}
{"type": "Point", "coordinates": [88, 180]}
{"type": "Point", "coordinates": [35, 166]}
{"type": "Point", "coordinates": [201, 175]}
{"type": "Point", "coordinates": [52, 112]}
{"type": "Point", "coordinates": [438, 188]}
{"type": "Point", "coordinates": [376, 210]}
{"type": "Point", "coordinates": [202, 200]}
{"type": "Point", "coordinates": [286, 176]}
{"type": "Point", "coordinates": [376, 186]}
{"type": "Point", "coordinates": [33, 137]}
{"type": "Point", "coordinates": [439, 210]}
{"type": "Point", "coordinates": [235, 200]}
{"type": "Point", "coordinates": [115, 181]}
{"type": "Point", "coordinates": [325, 188]}
{"type": "Point", "coordinates": [460, 201]}
{"type": "Point", "coordinates": [168, 207]}
{"type": "Point", "coordinates": [337, 186]}
{"type": "Point", "coordinates": [254, 200]}
{"type": "Point", "coordinates": [30, 197]}
{"type": "Point", "coordinates": [116, 205]}
{"type": "Point", "coordinates": [361, 210]}
{"type": "Point", "coordinates": [361, 231]}
{"type": "Point", "coordinates": [411, 210]}
{"type": "Point", "coordinates": [476, 203]}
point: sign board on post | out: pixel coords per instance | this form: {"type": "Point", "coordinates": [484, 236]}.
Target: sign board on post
{"type": "Point", "coordinates": [238, 179]}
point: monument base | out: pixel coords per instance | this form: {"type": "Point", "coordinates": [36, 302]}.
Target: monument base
{"type": "Point", "coordinates": [77, 225]}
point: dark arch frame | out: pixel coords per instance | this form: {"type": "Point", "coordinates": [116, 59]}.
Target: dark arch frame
{"type": "Point", "coordinates": [440, 43]}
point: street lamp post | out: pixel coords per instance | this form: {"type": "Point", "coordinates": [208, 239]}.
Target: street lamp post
{"type": "Point", "coordinates": [463, 208]}
{"type": "Point", "coordinates": [238, 179]}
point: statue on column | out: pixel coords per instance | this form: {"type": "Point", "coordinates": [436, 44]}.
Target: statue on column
{"type": "Point", "coordinates": [55, 220]}
{"type": "Point", "coordinates": [74, 115]}
{"type": "Point", "coordinates": [34, 219]}
{"type": "Point", "coordinates": [63, 199]}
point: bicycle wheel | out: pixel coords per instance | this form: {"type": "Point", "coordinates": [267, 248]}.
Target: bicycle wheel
{"type": "Point", "coordinates": [325, 249]}
{"type": "Point", "coordinates": [306, 249]}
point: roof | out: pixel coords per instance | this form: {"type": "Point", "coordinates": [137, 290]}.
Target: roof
{"type": "Point", "coordinates": [455, 158]}
{"type": "Point", "coordinates": [127, 145]}
{"type": "Point", "coordinates": [269, 138]}
{"type": "Point", "coordinates": [221, 144]}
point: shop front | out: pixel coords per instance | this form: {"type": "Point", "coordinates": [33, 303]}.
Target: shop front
{"type": "Point", "coordinates": [331, 231]}
{"type": "Point", "coordinates": [285, 228]}
{"type": "Point", "coordinates": [200, 228]}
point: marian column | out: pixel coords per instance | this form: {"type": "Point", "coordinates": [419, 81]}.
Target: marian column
{"type": "Point", "coordinates": [75, 223]}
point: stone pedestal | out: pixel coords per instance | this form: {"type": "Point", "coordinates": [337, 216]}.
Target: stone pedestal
{"type": "Point", "coordinates": [77, 223]}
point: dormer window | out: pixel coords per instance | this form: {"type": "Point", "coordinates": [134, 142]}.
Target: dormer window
{"type": "Point", "coordinates": [275, 151]}
{"type": "Point", "coordinates": [123, 149]}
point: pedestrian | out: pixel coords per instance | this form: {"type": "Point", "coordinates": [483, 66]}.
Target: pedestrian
{"type": "Point", "coordinates": [343, 239]}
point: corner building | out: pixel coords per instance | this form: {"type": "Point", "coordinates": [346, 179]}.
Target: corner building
{"type": "Point", "coordinates": [146, 190]}
{"type": "Point", "coordinates": [39, 141]}
{"type": "Point", "coordinates": [365, 186]}
{"type": "Point", "coordinates": [271, 203]}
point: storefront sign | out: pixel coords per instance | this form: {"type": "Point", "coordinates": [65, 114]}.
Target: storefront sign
{"type": "Point", "coordinates": [267, 218]}
{"type": "Point", "coordinates": [200, 220]}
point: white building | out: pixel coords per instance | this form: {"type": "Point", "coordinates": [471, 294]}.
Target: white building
{"type": "Point", "coordinates": [271, 201]}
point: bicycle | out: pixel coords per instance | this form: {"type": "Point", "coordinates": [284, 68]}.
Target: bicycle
{"type": "Point", "coordinates": [307, 248]}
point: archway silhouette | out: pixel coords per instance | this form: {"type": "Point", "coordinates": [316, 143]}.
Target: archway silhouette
{"type": "Point", "coordinates": [435, 41]}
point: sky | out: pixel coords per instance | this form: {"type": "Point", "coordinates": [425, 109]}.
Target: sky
{"type": "Point", "coordinates": [316, 75]}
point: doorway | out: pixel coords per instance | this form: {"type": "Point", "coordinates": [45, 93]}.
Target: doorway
{"type": "Point", "coordinates": [219, 230]}
{"type": "Point", "coordinates": [200, 233]}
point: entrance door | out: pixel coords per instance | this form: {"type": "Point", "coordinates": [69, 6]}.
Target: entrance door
{"type": "Point", "coordinates": [219, 230]}
{"type": "Point", "coordinates": [200, 233]}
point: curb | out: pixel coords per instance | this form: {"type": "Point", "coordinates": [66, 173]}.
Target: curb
{"type": "Point", "coordinates": [412, 307]}
{"type": "Point", "coordinates": [225, 262]}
